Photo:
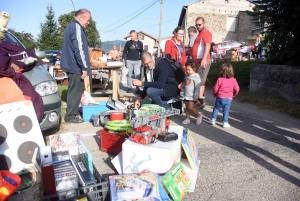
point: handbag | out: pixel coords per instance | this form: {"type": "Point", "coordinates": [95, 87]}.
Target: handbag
{"type": "Point", "coordinates": [177, 49]}
{"type": "Point", "coordinates": [95, 55]}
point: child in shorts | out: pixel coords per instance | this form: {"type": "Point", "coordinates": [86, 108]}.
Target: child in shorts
{"type": "Point", "coordinates": [191, 87]}
{"type": "Point", "coordinates": [224, 90]}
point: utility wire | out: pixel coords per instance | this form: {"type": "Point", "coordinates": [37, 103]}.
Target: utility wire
{"type": "Point", "coordinates": [145, 26]}
{"type": "Point", "coordinates": [73, 5]}
{"type": "Point", "coordinates": [126, 16]}
{"type": "Point", "coordinates": [131, 18]}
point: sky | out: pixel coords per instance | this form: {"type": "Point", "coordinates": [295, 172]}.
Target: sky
{"type": "Point", "coordinates": [27, 15]}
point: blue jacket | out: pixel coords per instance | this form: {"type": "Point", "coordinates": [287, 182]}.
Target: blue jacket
{"type": "Point", "coordinates": [163, 78]}
{"type": "Point", "coordinates": [75, 51]}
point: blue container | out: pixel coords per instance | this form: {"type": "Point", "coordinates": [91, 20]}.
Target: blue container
{"type": "Point", "coordinates": [89, 110]}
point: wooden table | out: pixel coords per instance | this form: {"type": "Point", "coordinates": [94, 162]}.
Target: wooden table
{"type": "Point", "coordinates": [115, 81]}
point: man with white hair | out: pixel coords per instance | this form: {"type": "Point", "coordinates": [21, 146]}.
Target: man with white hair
{"type": "Point", "coordinates": [75, 61]}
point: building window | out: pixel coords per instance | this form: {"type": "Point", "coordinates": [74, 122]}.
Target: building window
{"type": "Point", "coordinates": [231, 24]}
{"type": "Point", "coordinates": [146, 48]}
{"type": "Point", "coordinates": [141, 36]}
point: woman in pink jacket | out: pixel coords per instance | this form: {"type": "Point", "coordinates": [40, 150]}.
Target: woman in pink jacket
{"type": "Point", "coordinates": [225, 89]}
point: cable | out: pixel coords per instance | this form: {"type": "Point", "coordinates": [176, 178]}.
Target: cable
{"type": "Point", "coordinates": [73, 5]}
{"type": "Point", "coordinates": [145, 26]}
{"type": "Point", "coordinates": [126, 16]}
{"type": "Point", "coordinates": [131, 18]}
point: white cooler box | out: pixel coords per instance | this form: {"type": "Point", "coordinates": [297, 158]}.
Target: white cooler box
{"type": "Point", "coordinates": [158, 157]}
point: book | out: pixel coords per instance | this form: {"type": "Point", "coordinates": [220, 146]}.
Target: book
{"type": "Point", "coordinates": [176, 181]}
{"type": "Point", "coordinates": [190, 149]}
{"type": "Point", "coordinates": [85, 176]}
{"type": "Point", "coordinates": [86, 155]}
{"type": "Point", "coordinates": [143, 187]}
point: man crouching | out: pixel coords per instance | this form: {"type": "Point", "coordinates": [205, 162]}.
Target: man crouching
{"type": "Point", "coordinates": [160, 84]}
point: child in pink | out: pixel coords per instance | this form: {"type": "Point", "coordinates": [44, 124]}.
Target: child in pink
{"type": "Point", "coordinates": [225, 89]}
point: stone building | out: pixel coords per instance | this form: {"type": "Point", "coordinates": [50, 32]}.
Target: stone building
{"type": "Point", "coordinates": [226, 19]}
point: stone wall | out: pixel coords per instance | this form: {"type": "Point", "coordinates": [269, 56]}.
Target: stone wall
{"type": "Point", "coordinates": [215, 13]}
{"type": "Point", "coordinates": [276, 80]}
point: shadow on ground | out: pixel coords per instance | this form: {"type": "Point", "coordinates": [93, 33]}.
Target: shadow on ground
{"type": "Point", "coordinates": [257, 128]}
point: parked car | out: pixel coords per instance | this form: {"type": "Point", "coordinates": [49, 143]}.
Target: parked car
{"type": "Point", "coordinates": [50, 55]}
{"type": "Point", "coordinates": [222, 47]}
{"type": "Point", "coordinates": [46, 86]}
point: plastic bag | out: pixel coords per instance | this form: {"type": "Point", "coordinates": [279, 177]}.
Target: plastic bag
{"type": "Point", "coordinates": [124, 75]}
{"type": "Point", "coordinates": [86, 98]}
{"type": "Point", "coordinates": [9, 182]}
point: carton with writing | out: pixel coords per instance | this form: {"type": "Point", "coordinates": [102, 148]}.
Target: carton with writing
{"type": "Point", "coordinates": [177, 182]}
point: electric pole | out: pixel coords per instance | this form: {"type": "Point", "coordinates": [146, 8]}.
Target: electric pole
{"type": "Point", "coordinates": [160, 23]}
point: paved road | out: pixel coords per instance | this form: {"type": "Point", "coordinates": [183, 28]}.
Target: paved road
{"type": "Point", "coordinates": [258, 158]}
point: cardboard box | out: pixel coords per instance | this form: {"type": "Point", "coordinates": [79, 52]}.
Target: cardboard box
{"type": "Point", "coordinates": [157, 157]}
{"type": "Point", "coordinates": [176, 181]}
{"type": "Point", "coordinates": [192, 174]}
{"type": "Point", "coordinates": [89, 110]}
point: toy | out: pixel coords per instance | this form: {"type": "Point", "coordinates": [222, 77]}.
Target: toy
{"type": "Point", "coordinates": [4, 18]}
{"type": "Point", "coordinates": [147, 128]}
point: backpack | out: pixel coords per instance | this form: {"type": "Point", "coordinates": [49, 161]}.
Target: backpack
{"type": "Point", "coordinates": [176, 67]}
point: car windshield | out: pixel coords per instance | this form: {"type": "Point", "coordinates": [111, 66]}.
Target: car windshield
{"type": "Point", "coordinates": [225, 45]}
{"type": "Point", "coordinates": [10, 38]}
{"type": "Point", "coordinates": [236, 44]}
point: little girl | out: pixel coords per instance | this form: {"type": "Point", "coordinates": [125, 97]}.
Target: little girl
{"type": "Point", "coordinates": [191, 87]}
{"type": "Point", "coordinates": [225, 89]}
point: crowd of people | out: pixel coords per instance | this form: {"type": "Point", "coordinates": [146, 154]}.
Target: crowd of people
{"type": "Point", "coordinates": [159, 81]}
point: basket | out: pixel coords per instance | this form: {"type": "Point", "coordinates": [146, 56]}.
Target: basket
{"type": "Point", "coordinates": [95, 192]}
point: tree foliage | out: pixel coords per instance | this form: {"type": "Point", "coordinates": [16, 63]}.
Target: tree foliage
{"type": "Point", "coordinates": [280, 19]}
{"type": "Point", "coordinates": [48, 38]}
{"type": "Point", "coordinates": [26, 38]}
{"type": "Point", "coordinates": [91, 30]}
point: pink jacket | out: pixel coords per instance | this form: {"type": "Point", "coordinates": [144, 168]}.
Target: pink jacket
{"type": "Point", "coordinates": [226, 88]}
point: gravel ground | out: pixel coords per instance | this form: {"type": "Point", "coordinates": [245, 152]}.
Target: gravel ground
{"type": "Point", "coordinates": [256, 159]}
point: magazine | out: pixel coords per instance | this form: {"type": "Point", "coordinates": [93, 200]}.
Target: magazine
{"type": "Point", "coordinates": [65, 142]}
{"type": "Point", "coordinates": [176, 181]}
{"type": "Point", "coordinates": [190, 149]}
{"type": "Point", "coordinates": [142, 187]}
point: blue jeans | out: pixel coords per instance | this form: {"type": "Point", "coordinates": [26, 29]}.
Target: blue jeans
{"type": "Point", "coordinates": [225, 104]}
{"type": "Point", "coordinates": [156, 96]}
{"type": "Point", "coordinates": [134, 66]}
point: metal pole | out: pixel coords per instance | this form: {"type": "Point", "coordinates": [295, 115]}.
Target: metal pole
{"type": "Point", "coordinates": [160, 23]}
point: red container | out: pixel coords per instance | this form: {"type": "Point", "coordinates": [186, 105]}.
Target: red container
{"type": "Point", "coordinates": [111, 143]}
{"type": "Point", "coordinates": [116, 116]}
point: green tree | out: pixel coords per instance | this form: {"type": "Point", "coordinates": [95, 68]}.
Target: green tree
{"type": "Point", "coordinates": [91, 29]}
{"type": "Point", "coordinates": [48, 38]}
{"type": "Point", "coordinates": [280, 18]}
{"type": "Point", "coordinates": [26, 38]}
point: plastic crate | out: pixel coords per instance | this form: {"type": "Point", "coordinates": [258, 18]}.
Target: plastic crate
{"type": "Point", "coordinates": [89, 110]}
{"type": "Point", "coordinates": [111, 143]}
{"type": "Point", "coordinates": [95, 192]}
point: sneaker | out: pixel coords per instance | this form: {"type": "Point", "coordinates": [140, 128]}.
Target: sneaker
{"type": "Point", "coordinates": [186, 121]}
{"type": "Point", "coordinates": [212, 122]}
{"type": "Point", "coordinates": [199, 120]}
{"type": "Point", "coordinates": [226, 125]}
{"type": "Point", "coordinates": [75, 121]}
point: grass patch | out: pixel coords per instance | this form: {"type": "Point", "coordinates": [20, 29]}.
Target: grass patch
{"type": "Point", "coordinates": [63, 92]}
{"type": "Point", "coordinates": [242, 74]}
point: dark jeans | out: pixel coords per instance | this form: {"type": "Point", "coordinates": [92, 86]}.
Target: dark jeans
{"type": "Point", "coordinates": [225, 104]}
{"type": "Point", "coordinates": [157, 97]}
{"type": "Point", "coordinates": [75, 90]}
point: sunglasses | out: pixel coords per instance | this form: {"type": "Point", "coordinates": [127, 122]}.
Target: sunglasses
{"type": "Point", "coordinates": [198, 25]}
